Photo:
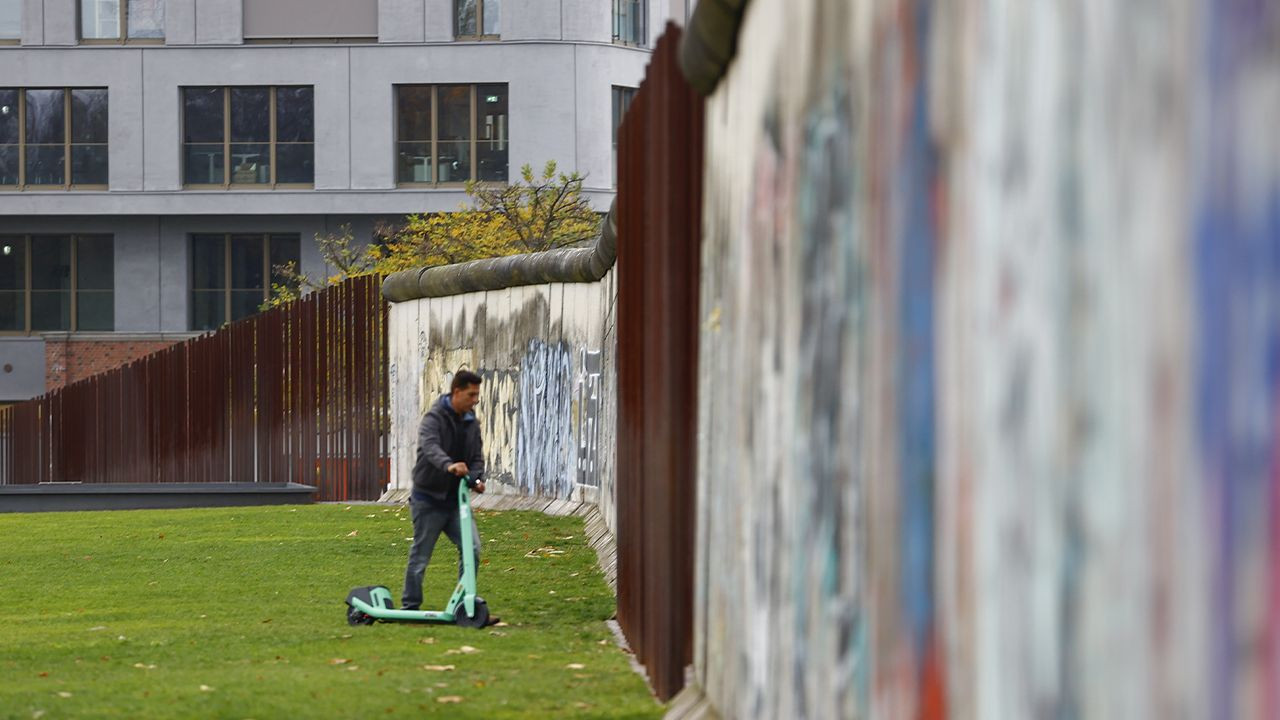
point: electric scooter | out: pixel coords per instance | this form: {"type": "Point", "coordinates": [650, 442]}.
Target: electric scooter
{"type": "Point", "coordinates": [366, 605]}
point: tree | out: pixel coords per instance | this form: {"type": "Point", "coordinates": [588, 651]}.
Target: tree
{"type": "Point", "coordinates": [530, 216]}
{"type": "Point", "coordinates": [536, 214]}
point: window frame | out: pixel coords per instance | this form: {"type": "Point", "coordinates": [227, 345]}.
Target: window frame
{"type": "Point", "coordinates": [480, 35]}
{"type": "Point", "coordinates": [67, 144]}
{"type": "Point", "coordinates": [622, 95]}
{"type": "Point", "coordinates": [226, 290]}
{"type": "Point", "coordinates": [74, 290]}
{"type": "Point", "coordinates": [227, 169]}
{"type": "Point", "coordinates": [474, 141]}
{"type": "Point", "coordinates": [643, 42]}
{"type": "Point", "coordinates": [124, 38]}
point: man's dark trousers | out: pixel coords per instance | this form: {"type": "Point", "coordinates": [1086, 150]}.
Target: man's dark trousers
{"type": "Point", "coordinates": [429, 520]}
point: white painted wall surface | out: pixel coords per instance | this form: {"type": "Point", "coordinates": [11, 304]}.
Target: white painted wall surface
{"type": "Point", "coordinates": [547, 400]}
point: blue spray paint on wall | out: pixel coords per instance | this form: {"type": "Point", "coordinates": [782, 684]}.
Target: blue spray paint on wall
{"type": "Point", "coordinates": [917, 446]}
{"type": "Point", "coordinates": [1238, 287]}
{"type": "Point", "coordinates": [544, 439]}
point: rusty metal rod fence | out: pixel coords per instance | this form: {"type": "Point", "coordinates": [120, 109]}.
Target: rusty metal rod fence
{"type": "Point", "coordinates": [659, 229]}
{"type": "Point", "coordinates": [294, 394]}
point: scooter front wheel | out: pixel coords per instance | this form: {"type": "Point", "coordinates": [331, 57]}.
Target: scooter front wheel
{"type": "Point", "coordinates": [479, 620]}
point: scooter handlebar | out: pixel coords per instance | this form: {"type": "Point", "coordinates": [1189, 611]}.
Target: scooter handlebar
{"type": "Point", "coordinates": [470, 481]}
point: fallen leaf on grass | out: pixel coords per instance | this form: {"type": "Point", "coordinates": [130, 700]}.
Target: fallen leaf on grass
{"type": "Point", "coordinates": [503, 624]}
{"type": "Point", "coordinates": [449, 699]}
{"type": "Point", "coordinates": [543, 552]}
{"type": "Point", "coordinates": [97, 627]}
{"type": "Point", "coordinates": [353, 533]}
{"type": "Point", "coordinates": [339, 661]}
{"type": "Point", "coordinates": [427, 640]}
{"type": "Point", "coordinates": [143, 666]}
{"type": "Point", "coordinates": [465, 650]}
{"type": "Point", "coordinates": [206, 688]}
{"type": "Point", "coordinates": [576, 666]}
{"type": "Point", "coordinates": [582, 706]}
{"type": "Point", "coordinates": [64, 694]}
{"type": "Point", "coordinates": [44, 674]}
{"type": "Point", "coordinates": [438, 668]}
{"type": "Point", "coordinates": [37, 714]}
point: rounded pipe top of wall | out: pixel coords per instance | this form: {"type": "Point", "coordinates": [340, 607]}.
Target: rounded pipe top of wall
{"type": "Point", "coordinates": [579, 264]}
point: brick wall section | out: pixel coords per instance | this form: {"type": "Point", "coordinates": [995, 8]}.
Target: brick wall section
{"type": "Point", "coordinates": [67, 361]}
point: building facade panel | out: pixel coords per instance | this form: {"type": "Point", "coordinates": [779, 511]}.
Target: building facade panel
{"type": "Point", "coordinates": [587, 20]}
{"type": "Point", "coordinates": [402, 21]}
{"type": "Point", "coordinates": [529, 20]}
{"type": "Point", "coordinates": [220, 22]}
{"type": "Point", "coordinates": [180, 22]}
{"type": "Point", "coordinates": [61, 22]}
{"type": "Point", "coordinates": [32, 22]}
{"type": "Point", "coordinates": [438, 19]}
{"type": "Point", "coordinates": [21, 368]}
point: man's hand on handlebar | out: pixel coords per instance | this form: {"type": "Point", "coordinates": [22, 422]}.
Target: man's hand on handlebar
{"type": "Point", "coordinates": [459, 469]}
{"type": "Point", "coordinates": [479, 487]}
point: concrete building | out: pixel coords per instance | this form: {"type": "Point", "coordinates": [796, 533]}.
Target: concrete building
{"type": "Point", "coordinates": [159, 157]}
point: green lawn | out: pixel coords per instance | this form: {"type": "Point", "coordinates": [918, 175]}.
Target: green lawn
{"type": "Point", "coordinates": [239, 613]}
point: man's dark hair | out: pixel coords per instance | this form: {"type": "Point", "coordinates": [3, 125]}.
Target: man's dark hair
{"type": "Point", "coordinates": [464, 379]}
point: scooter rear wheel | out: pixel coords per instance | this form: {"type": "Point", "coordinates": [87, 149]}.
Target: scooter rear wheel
{"type": "Point", "coordinates": [479, 620]}
{"type": "Point", "coordinates": [355, 617]}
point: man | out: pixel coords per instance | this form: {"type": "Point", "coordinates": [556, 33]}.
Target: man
{"type": "Point", "coordinates": [449, 449]}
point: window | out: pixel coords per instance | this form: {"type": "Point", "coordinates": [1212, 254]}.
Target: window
{"type": "Point", "coordinates": [477, 18]}
{"type": "Point", "coordinates": [622, 97]}
{"type": "Point", "coordinates": [56, 282]}
{"type": "Point", "coordinates": [10, 20]}
{"type": "Point", "coordinates": [39, 149]}
{"type": "Point", "coordinates": [631, 22]}
{"type": "Point", "coordinates": [231, 275]}
{"type": "Point", "coordinates": [122, 20]}
{"type": "Point", "coordinates": [451, 133]}
{"type": "Point", "coordinates": [248, 136]}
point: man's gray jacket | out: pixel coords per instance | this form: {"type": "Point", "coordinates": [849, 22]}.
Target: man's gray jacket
{"type": "Point", "coordinates": [444, 437]}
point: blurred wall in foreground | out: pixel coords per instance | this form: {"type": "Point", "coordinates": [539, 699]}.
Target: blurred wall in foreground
{"type": "Point", "coordinates": [990, 362]}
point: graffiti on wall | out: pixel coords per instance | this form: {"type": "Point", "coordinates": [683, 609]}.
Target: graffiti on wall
{"type": "Point", "coordinates": [589, 397]}
{"type": "Point", "coordinates": [991, 328]}
{"type": "Point", "coordinates": [544, 399]}
{"type": "Point", "coordinates": [544, 432]}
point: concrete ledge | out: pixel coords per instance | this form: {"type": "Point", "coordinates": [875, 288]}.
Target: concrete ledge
{"type": "Point", "coordinates": [47, 497]}
{"type": "Point", "coordinates": [124, 336]}
{"type": "Point", "coordinates": [691, 704]}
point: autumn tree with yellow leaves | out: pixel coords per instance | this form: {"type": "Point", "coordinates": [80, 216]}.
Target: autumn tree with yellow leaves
{"type": "Point", "coordinates": [536, 214]}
